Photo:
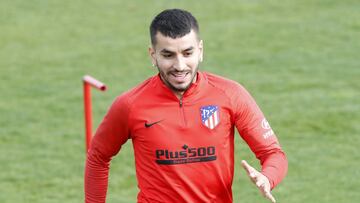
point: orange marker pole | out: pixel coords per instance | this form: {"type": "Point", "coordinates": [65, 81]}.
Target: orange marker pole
{"type": "Point", "coordinates": [89, 81]}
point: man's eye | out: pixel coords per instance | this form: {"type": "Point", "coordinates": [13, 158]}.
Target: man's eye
{"type": "Point", "coordinates": [167, 55]}
{"type": "Point", "coordinates": [188, 53]}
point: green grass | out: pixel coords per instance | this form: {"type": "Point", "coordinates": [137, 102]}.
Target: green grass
{"type": "Point", "coordinates": [299, 59]}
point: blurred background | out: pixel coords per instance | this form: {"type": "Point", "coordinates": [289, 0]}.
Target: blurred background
{"type": "Point", "coordinates": [299, 59]}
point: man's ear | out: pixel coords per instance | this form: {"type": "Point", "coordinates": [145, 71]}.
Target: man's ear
{"type": "Point", "coordinates": [152, 55]}
{"type": "Point", "coordinates": [201, 49]}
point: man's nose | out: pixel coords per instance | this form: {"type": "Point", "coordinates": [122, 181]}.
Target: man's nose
{"type": "Point", "coordinates": [179, 63]}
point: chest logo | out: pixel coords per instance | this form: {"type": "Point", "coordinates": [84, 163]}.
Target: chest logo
{"type": "Point", "coordinates": [148, 125]}
{"type": "Point", "coordinates": [210, 116]}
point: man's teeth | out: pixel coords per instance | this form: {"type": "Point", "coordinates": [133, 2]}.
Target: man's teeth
{"type": "Point", "coordinates": [179, 74]}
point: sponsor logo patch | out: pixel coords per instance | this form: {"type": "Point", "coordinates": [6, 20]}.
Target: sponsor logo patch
{"type": "Point", "coordinates": [268, 134]}
{"type": "Point", "coordinates": [266, 126]}
{"type": "Point", "coordinates": [185, 155]}
{"type": "Point", "coordinates": [210, 116]}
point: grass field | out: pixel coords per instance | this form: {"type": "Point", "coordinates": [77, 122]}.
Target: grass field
{"type": "Point", "coordinates": [299, 59]}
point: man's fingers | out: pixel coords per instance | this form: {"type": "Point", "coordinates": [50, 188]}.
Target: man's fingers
{"type": "Point", "coordinates": [265, 188]}
{"type": "Point", "coordinates": [252, 173]}
{"type": "Point", "coordinates": [260, 180]}
{"type": "Point", "coordinates": [270, 197]}
{"type": "Point", "coordinates": [248, 168]}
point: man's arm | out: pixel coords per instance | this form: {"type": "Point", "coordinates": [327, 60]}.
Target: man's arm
{"type": "Point", "coordinates": [111, 134]}
{"type": "Point", "coordinates": [257, 133]}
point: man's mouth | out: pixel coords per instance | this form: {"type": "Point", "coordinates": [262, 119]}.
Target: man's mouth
{"type": "Point", "coordinates": [179, 77]}
{"type": "Point", "coordinates": [179, 74]}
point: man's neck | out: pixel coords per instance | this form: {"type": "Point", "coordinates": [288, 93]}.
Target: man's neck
{"type": "Point", "coordinates": [179, 94]}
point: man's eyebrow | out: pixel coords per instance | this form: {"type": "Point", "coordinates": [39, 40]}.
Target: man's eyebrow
{"type": "Point", "coordinates": [189, 49]}
{"type": "Point", "coordinates": [165, 51]}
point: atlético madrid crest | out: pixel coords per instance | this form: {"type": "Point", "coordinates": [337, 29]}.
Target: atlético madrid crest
{"type": "Point", "coordinates": [210, 116]}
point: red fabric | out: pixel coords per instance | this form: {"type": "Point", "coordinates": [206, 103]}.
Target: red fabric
{"type": "Point", "coordinates": [179, 158]}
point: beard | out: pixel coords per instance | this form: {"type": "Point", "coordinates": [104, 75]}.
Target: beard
{"type": "Point", "coordinates": [179, 88]}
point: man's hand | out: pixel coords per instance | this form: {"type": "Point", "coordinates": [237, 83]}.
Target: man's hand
{"type": "Point", "coordinates": [259, 180]}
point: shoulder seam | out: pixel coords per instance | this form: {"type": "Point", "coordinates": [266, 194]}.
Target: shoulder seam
{"type": "Point", "coordinates": [222, 90]}
{"type": "Point", "coordinates": [129, 98]}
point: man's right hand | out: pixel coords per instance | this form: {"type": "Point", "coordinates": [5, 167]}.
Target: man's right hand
{"type": "Point", "coordinates": [261, 181]}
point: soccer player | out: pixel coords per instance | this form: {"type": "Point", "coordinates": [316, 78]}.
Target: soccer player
{"type": "Point", "coordinates": [181, 123]}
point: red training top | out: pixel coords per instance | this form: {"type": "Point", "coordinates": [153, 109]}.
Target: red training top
{"type": "Point", "coordinates": [184, 148]}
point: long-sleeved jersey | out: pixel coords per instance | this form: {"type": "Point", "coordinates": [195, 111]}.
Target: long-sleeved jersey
{"type": "Point", "coordinates": [184, 148]}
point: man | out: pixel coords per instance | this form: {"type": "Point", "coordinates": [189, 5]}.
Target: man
{"type": "Point", "coordinates": [181, 123]}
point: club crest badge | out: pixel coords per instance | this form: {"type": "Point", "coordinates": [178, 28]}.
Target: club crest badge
{"type": "Point", "coordinates": [210, 116]}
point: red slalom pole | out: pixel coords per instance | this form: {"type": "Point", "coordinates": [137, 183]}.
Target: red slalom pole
{"type": "Point", "coordinates": [89, 81]}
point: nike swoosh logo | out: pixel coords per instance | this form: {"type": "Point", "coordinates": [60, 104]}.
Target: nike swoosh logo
{"type": "Point", "coordinates": [148, 125]}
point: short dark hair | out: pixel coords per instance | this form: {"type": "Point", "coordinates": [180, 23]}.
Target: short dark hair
{"type": "Point", "coordinates": [173, 23]}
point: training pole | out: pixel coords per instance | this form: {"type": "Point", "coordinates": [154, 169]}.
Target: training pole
{"type": "Point", "coordinates": [89, 82]}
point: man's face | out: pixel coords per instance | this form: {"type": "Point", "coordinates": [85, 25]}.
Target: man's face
{"type": "Point", "coordinates": [177, 60]}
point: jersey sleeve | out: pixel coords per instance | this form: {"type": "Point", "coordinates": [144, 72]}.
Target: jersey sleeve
{"type": "Point", "coordinates": [112, 133]}
{"type": "Point", "coordinates": [257, 133]}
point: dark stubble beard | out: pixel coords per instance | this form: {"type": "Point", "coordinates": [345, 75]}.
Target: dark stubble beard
{"type": "Point", "coordinates": [175, 89]}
